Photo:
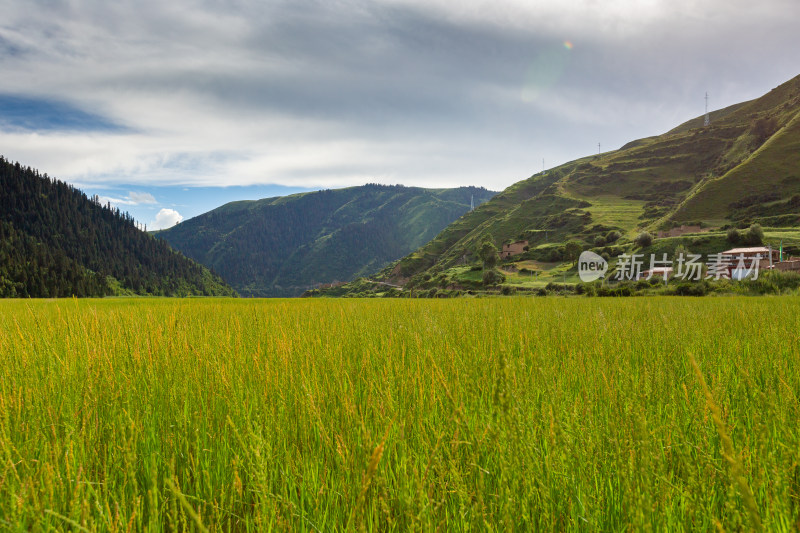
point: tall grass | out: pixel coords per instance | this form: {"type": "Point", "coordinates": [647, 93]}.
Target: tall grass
{"type": "Point", "coordinates": [319, 415]}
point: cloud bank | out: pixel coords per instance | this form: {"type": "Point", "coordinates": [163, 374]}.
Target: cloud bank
{"type": "Point", "coordinates": [313, 93]}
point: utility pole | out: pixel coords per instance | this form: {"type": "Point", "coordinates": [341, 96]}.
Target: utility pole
{"type": "Point", "coordinates": [598, 148]}
{"type": "Point", "coordinates": [707, 119]}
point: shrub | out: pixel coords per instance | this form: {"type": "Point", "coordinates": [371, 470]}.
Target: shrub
{"type": "Point", "coordinates": [681, 250]}
{"type": "Point", "coordinates": [586, 288]}
{"type": "Point", "coordinates": [625, 291]}
{"type": "Point", "coordinates": [554, 256]}
{"type": "Point", "coordinates": [755, 235]}
{"type": "Point", "coordinates": [644, 239]}
{"type": "Point", "coordinates": [733, 236]}
{"type": "Point", "coordinates": [492, 277]}
{"type": "Point", "coordinates": [559, 287]}
{"type": "Point", "coordinates": [573, 250]}
{"type": "Point", "coordinates": [613, 236]}
{"type": "Point", "coordinates": [488, 253]}
{"type": "Point", "coordinates": [599, 241]}
{"type": "Point", "coordinates": [692, 289]}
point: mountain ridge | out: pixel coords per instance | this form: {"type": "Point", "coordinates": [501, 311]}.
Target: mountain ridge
{"type": "Point", "coordinates": [282, 246]}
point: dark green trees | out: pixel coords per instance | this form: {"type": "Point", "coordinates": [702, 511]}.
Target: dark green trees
{"type": "Point", "coordinates": [55, 242]}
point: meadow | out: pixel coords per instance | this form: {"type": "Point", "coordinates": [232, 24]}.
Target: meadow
{"type": "Point", "coordinates": [563, 414]}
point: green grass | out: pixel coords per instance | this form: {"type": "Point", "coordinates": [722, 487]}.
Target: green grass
{"type": "Point", "coordinates": [771, 169]}
{"type": "Point", "coordinates": [617, 212]}
{"type": "Point", "coordinates": [532, 414]}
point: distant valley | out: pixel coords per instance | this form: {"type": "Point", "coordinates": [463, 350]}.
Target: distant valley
{"type": "Point", "coordinates": [284, 246]}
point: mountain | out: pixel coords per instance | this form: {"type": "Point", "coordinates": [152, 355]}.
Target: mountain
{"type": "Point", "coordinates": [283, 246]}
{"type": "Point", "coordinates": [55, 242]}
{"type": "Point", "coordinates": [741, 169]}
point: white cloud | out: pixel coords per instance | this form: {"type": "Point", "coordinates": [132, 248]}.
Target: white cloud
{"type": "Point", "coordinates": [133, 198]}
{"type": "Point", "coordinates": [141, 198]}
{"type": "Point", "coordinates": [166, 218]}
{"type": "Point", "coordinates": [114, 201]}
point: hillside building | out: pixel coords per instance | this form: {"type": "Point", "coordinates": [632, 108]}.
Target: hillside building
{"type": "Point", "coordinates": [515, 248]}
{"type": "Point", "coordinates": [757, 251]}
{"type": "Point", "coordinates": [767, 259]}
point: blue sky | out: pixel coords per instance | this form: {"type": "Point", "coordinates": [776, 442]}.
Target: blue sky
{"type": "Point", "coordinates": [23, 114]}
{"type": "Point", "coordinates": [198, 102]}
{"type": "Point", "coordinates": [175, 203]}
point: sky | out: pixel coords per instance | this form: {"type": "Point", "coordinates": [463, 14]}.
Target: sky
{"type": "Point", "coordinates": [169, 109]}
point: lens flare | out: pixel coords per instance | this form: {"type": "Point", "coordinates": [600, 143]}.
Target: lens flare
{"type": "Point", "coordinates": [545, 71]}
{"type": "Point", "coordinates": [568, 45]}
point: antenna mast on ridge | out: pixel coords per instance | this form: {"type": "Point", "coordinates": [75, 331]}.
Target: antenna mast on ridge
{"type": "Point", "coordinates": [707, 120]}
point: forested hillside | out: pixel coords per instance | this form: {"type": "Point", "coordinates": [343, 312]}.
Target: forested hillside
{"type": "Point", "coordinates": [55, 242]}
{"type": "Point", "coordinates": [283, 246]}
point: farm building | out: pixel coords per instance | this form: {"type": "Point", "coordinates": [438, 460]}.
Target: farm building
{"type": "Point", "coordinates": [750, 253]}
{"type": "Point", "coordinates": [768, 259]}
{"type": "Point", "coordinates": [515, 248]}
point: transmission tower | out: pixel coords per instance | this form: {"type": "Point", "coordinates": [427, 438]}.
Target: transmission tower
{"type": "Point", "coordinates": [707, 120]}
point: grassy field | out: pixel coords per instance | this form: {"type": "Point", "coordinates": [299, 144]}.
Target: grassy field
{"type": "Point", "coordinates": [469, 414]}
{"type": "Point", "coordinates": [616, 212]}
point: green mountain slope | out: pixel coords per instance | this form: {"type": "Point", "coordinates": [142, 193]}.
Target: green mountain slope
{"type": "Point", "coordinates": [286, 245]}
{"type": "Point", "coordinates": [743, 168]}
{"type": "Point", "coordinates": [55, 242]}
